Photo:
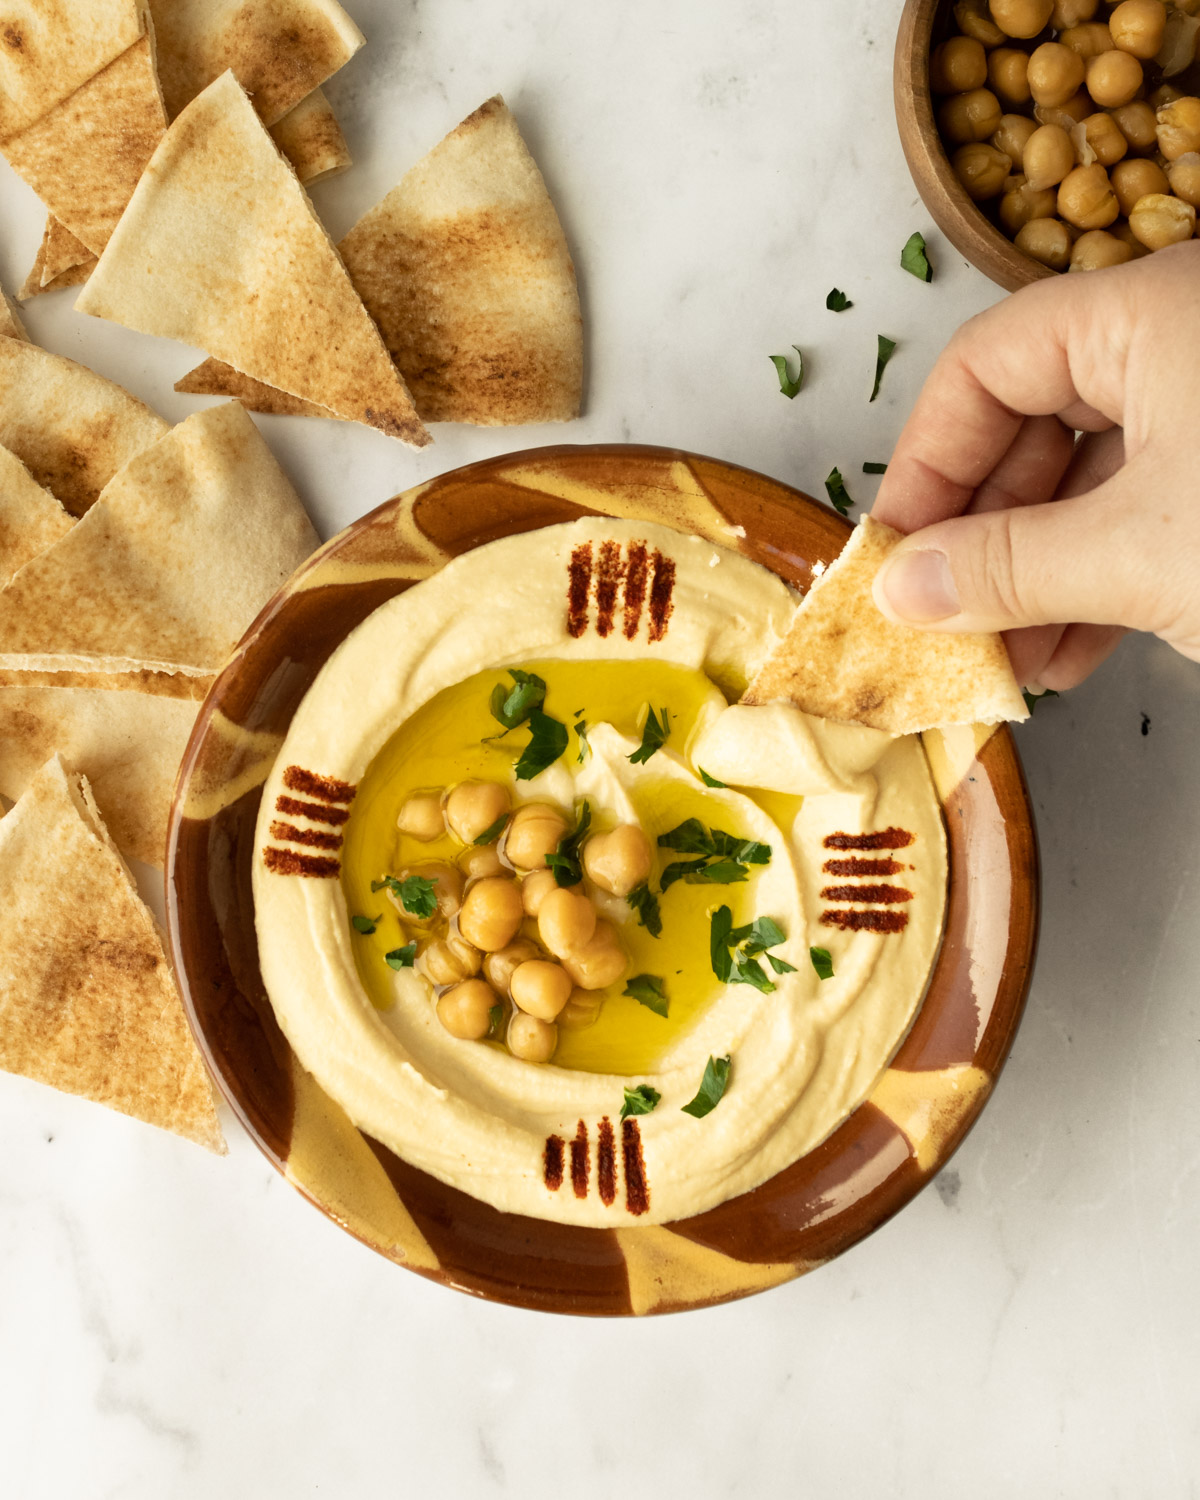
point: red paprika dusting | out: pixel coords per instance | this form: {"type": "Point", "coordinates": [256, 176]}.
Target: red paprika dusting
{"type": "Point", "coordinates": [552, 1163]}
{"type": "Point", "coordinates": [637, 1193]}
{"type": "Point", "coordinates": [886, 838]}
{"type": "Point", "coordinates": [288, 862]}
{"type": "Point", "coordinates": [579, 585]}
{"type": "Point", "coordinates": [606, 1162]}
{"type": "Point", "coordinates": [580, 1163]}
{"type": "Point", "coordinates": [883, 895]}
{"type": "Point", "coordinates": [313, 838]}
{"type": "Point", "coordinates": [324, 788]}
{"type": "Point", "coordinates": [293, 805]}
{"type": "Point", "coordinates": [636, 574]}
{"type": "Point", "coordinates": [865, 921]}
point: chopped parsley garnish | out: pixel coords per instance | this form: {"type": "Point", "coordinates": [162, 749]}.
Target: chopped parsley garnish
{"type": "Point", "coordinates": [839, 496]}
{"type": "Point", "coordinates": [914, 260]}
{"type": "Point", "coordinates": [723, 858]}
{"type": "Point", "coordinates": [710, 780]}
{"type": "Point", "coordinates": [874, 468]}
{"type": "Point", "coordinates": [734, 950]}
{"type": "Point", "coordinates": [654, 737]}
{"type": "Point", "coordinates": [581, 729]}
{"type": "Point", "coordinates": [838, 301]}
{"type": "Point", "coordinates": [789, 387]}
{"type": "Point", "coordinates": [1033, 699]}
{"type": "Point", "coordinates": [647, 990]}
{"type": "Point", "coordinates": [712, 1088]}
{"type": "Point", "coordinates": [887, 347]}
{"type": "Point", "coordinates": [512, 706]}
{"type": "Point", "coordinates": [495, 1016]}
{"type": "Point", "coordinates": [401, 958]}
{"type": "Point", "coordinates": [365, 925]}
{"type": "Point", "coordinates": [821, 962]}
{"type": "Point", "coordinates": [415, 893]}
{"type": "Point", "coordinates": [490, 835]}
{"type": "Point", "coordinates": [565, 861]}
{"type": "Point", "coordinates": [643, 900]}
{"type": "Point", "coordinates": [639, 1101]}
{"type": "Point", "coordinates": [547, 741]}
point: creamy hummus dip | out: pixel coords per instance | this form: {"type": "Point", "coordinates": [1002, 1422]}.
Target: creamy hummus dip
{"type": "Point", "coordinates": [629, 627]}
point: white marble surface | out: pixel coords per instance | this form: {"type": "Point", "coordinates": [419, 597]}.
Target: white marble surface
{"type": "Point", "coordinates": [173, 1325]}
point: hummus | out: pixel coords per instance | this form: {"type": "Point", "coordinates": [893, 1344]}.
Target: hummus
{"type": "Point", "coordinates": [618, 619]}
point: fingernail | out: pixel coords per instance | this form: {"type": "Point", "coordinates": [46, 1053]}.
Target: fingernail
{"type": "Point", "coordinates": [920, 587]}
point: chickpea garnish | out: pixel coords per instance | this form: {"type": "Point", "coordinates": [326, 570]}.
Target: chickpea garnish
{"type": "Point", "coordinates": [531, 1039]}
{"type": "Point", "coordinates": [1055, 73]}
{"type": "Point", "coordinates": [1137, 124]}
{"type": "Point", "coordinates": [540, 988]}
{"type": "Point", "coordinates": [1008, 75]}
{"type": "Point", "coordinates": [475, 806]}
{"type": "Point", "coordinates": [449, 960]}
{"type": "Point", "coordinates": [566, 921]}
{"type": "Point", "coordinates": [1137, 27]}
{"type": "Point", "coordinates": [498, 967]}
{"type": "Point", "coordinates": [491, 913]}
{"type": "Point", "coordinates": [1100, 135]}
{"type": "Point", "coordinates": [974, 20]}
{"type": "Point", "coordinates": [969, 117]}
{"type": "Point", "coordinates": [535, 831]}
{"type": "Point", "coordinates": [1021, 205]}
{"type": "Point", "coordinates": [482, 860]}
{"type": "Point", "coordinates": [1089, 40]}
{"type": "Point", "coordinates": [1021, 18]}
{"type": "Point", "coordinates": [1049, 155]}
{"type": "Point", "coordinates": [1179, 127]}
{"type": "Point", "coordinates": [600, 963]}
{"type": "Point", "coordinates": [981, 169]}
{"type": "Point", "coordinates": [535, 888]}
{"type": "Point", "coordinates": [619, 860]}
{"type": "Point", "coordinates": [1184, 178]}
{"type": "Point", "coordinates": [1047, 241]}
{"type": "Point", "coordinates": [1096, 249]}
{"type": "Point", "coordinates": [421, 817]}
{"type": "Point", "coordinates": [465, 1010]}
{"type": "Point", "coordinates": [1012, 136]}
{"type": "Point", "coordinates": [447, 892]}
{"type": "Point", "coordinates": [581, 1010]}
{"type": "Point", "coordinates": [1134, 179]}
{"type": "Point", "coordinates": [1071, 12]}
{"type": "Point", "coordinates": [1086, 198]}
{"type": "Point", "coordinates": [1159, 221]}
{"type": "Point", "coordinates": [1113, 78]}
{"type": "Point", "coordinates": [960, 63]}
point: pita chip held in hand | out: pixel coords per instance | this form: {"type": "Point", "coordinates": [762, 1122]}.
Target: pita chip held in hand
{"type": "Point", "coordinates": [170, 565]}
{"type": "Point", "coordinates": [220, 248]}
{"type": "Point", "coordinates": [841, 659]}
{"type": "Point", "coordinates": [465, 268]}
{"type": "Point", "coordinates": [87, 1001]}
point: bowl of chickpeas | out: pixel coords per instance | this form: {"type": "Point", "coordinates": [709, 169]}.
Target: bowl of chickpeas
{"type": "Point", "coordinates": [1052, 135]}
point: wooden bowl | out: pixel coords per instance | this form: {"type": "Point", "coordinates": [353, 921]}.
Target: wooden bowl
{"type": "Point", "coordinates": [883, 1154]}
{"type": "Point", "coordinates": [923, 24]}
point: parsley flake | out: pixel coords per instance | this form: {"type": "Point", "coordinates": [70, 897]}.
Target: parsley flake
{"type": "Point", "coordinates": [414, 892]}
{"type": "Point", "coordinates": [490, 835]}
{"type": "Point", "coordinates": [723, 858]}
{"type": "Point", "coordinates": [547, 741]}
{"type": "Point", "coordinates": [495, 1016]}
{"type": "Point", "coordinates": [838, 301]}
{"type": "Point", "coordinates": [874, 468]}
{"type": "Point", "coordinates": [639, 1101]}
{"type": "Point", "coordinates": [1033, 699]}
{"type": "Point", "coordinates": [734, 950]}
{"type": "Point", "coordinates": [365, 925]}
{"type": "Point", "coordinates": [712, 1088]}
{"type": "Point", "coordinates": [914, 260]}
{"type": "Point", "coordinates": [821, 962]}
{"type": "Point", "coordinates": [789, 387]}
{"type": "Point", "coordinates": [887, 347]}
{"type": "Point", "coordinates": [401, 958]}
{"type": "Point", "coordinates": [512, 706]}
{"type": "Point", "coordinates": [710, 780]}
{"type": "Point", "coordinates": [647, 990]}
{"type": "Point", "coordinates": [839, 497]}
{"type": "Point", "coordinates": [565, 861]}
{"type": "Point", "coordinates": [654, 737]}
{"type": "Point", "coordinates": [581, 729]}
{"type": "Point", "coordinates": [643, 901]}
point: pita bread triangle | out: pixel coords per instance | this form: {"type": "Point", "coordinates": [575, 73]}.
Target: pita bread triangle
{"type": "Point", "coordinates": [51, 47]}
{"type": "Point", "coordinates": [84, 157]}
{"type": "Point", "coordinates": [183, 548]}
{"type": "Point", "coordinates": [841, 659]}
{"type": "Point", "coordinates": [278, 50]}
{"type": "Point", "coordinates": [31, 519]}
{"type": "Point", "coordinates": [465, 268]}
{"type": "Point", "coordinates": [11, 326]}
{"type": "Point", "coordinates": [87, 1001]}
{"type": "Point", "coordinates": [312, 140]}
{"type": "Point", "coordinates": [71, 428]}
{"type": "Point", "coordinates": [63, 252]}
{"type": "Point", "coordinates": [220, 248]}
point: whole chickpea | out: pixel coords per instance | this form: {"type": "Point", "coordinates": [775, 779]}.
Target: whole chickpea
{"type": "Point", "coordinates": [619, 860]}
{"type": "Point", "coordinates": [474, 806]}
{"type": "Point", "coordinates": [1072, 12]}
{"type": "Point", "coordinates": [1047, 241]}
{"type": "Point", "coordinates": [1159, 220]}
{"type": "Point", "coordinates": [1020, 206]}
{"type": "Point", "coordinates": [421, 817]}
{"type": "Point", "coordinates": [566, 921]}
{"type": "Point", "coordinates": [1136, 178]}
{"type": "Point", "coordinates": [1137, 124]}
{"type": "Point", "coordinates": [1055, 73]}
{"type": "Point", "coordinates": [449, 960]}
{"type": "Point", "coordinates": [1098, 139]}
{"type": "Point", "coordinates": [1121, 231]}
{"type": "Point", "coordinates": [447, 892]}
{"type": "Point", "coordinates": [959, 64]}
{"type": "Point", "coordinates": [1089, 40]}
{"type": "Point", "coordinates": [480, 861]}
{"type": "Point", "coordinates": [530, 1039]}
{"type": "Point", "coordinates": [1113, 78]}
{"type": "Point", "coordinates": [1008, 75]}
{"type": "Point", "coordinates": [1014, 131]}
{"type": "Point", "coordinates": [1164, 94]}
{"type": "Point", "coordinates": [535, 888]}
{"type": "Point", "coordinates": [981, 169]}
{"type": "Point", "coordinates": [1021, 18]}
{"type": "Point", "coordinates": [1184, 177]}
{"type": "Point", "coordinates": [540, 988]}
{"type": "Point", "coordinates": [1086, 198]}
{"type": "Point", "coordinates": [974, 20]}
{"type": "Point", "coordinates": [1096, 249]}
{"type": "Point", "coordinates": [1049, 155]}
{"type": "Point", "coordinates": [1067, 115]}
{"type": "Point", "coordinates": [491, 913]}
{"type": "Point", "coordinates": [1179, 127]}
{"type": "Point", "coordinates": [601, 963]}
{"type": "Point", "coordinates": [581, 1010]}
{"type": "Point", "coordinates": [1137, 27]}
{"type": "Point", "coordinates": [535, 831]}
{"type": "Point", "coordinates": [969, 117]}
{"type": "Point", "coordinates": [465, 1010]}
{"type": "Point", "coordinates": [499, 967]}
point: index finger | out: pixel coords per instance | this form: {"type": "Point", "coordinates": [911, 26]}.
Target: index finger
{"type": "Point", "coordinates": [1054, 348]}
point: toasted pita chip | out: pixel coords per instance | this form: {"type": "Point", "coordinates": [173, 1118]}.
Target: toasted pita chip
{"type": "Point", "coordinates": [127, 744]}
{"type": "Point", "coordinates": [841, 659]}
{"type": "Point", "coordinates": [171, 564]}
{"type": "Point", "coordinates": [31, 519]}
{"type": "Point", "coordinates": [71, 428]}
{"type": "Point", "coordinates": [87, 1001]}
{"type": "Point", "coordinates": [85, 156]}
{"type": "Point", "coordinates": [137, 680]}
{"type": "Point", "coordinates": [465, 268]}
{"type": "Point", "coordinates": [213, 378]}
{"type": "Point", "coordinates": [312, 140]}
{"type": "Point", "coordinates": [220, 248]}
{"type": "Point", "coordinates": [63, 252]}
{"type": "Point", "coordinates": [10, 323]}
{"type": "Point", "coordinates": [37, 281]}
{"type": "Point", "coordinates": [51, 47]}
{"type": "Point", "coordinates": [278, 50]}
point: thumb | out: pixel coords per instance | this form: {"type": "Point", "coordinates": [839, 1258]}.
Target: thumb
{"type": "Point", "coordinates": [1071, 560]}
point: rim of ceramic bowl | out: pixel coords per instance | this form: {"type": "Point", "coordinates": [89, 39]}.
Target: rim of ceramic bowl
{"type": "Point", "coordinates": [871, 1165]}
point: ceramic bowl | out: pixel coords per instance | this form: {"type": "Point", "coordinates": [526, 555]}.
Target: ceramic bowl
{"type": "Point", "coordinates": [857, 1178]}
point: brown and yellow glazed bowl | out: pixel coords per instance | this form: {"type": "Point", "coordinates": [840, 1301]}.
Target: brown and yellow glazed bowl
{"type": "Point", "coordinates": [870, 1167]}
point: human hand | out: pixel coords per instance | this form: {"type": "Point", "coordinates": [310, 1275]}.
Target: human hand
{"type": "Point", "coordinates": [1061, 545]}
